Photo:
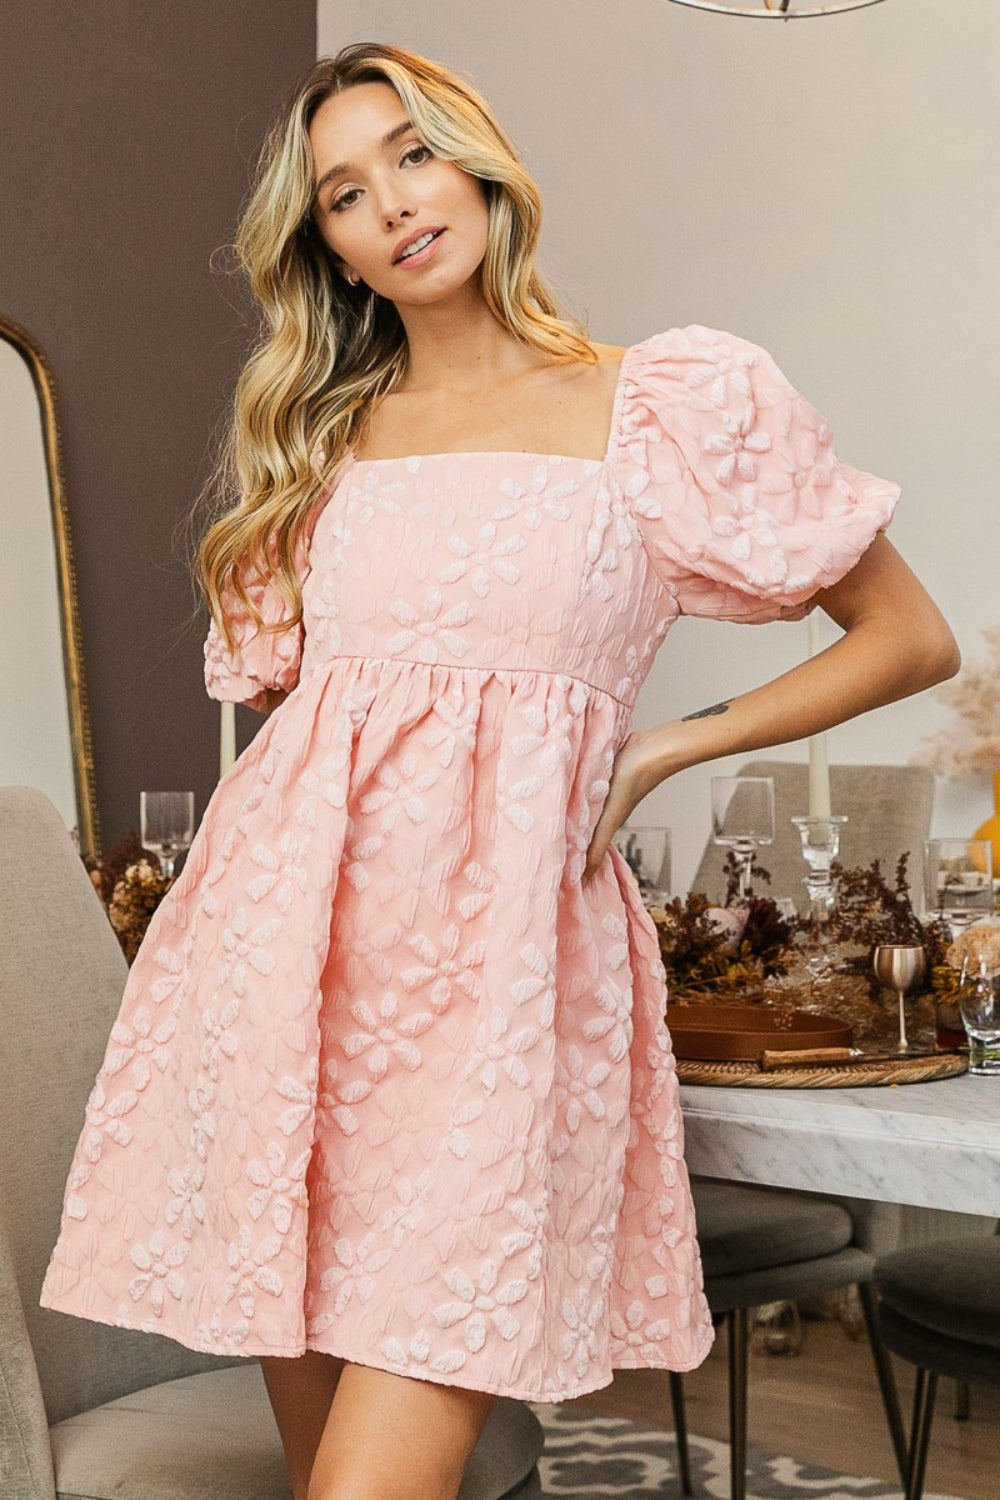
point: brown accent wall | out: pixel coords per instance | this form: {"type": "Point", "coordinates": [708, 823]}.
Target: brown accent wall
{"type": "Point", "coordinates": [127, 132]}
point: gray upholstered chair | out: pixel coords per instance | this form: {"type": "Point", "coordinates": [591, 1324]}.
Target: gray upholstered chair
{"type": "Point", "coordinates": [940, 1309]}
{"type": "Point", "coordinates": [762, 1245]}
{"type": "Point", "coordinates": [88, 1410]}
{"type": "Point", "coordinates": [888, 809]}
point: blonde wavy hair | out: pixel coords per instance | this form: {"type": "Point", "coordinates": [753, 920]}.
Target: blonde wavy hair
{"type": "Point", "coordinates": [328, 350]}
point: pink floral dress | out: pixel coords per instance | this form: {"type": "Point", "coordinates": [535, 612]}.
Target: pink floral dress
{"type": "Point", "coordinates": [387, 1080]}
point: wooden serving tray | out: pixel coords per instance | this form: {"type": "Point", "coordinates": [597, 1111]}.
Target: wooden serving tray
{"type": "Point", "coordinates": [864, 1073]}
{"type": "Point", "coordinates": [713, 1033]}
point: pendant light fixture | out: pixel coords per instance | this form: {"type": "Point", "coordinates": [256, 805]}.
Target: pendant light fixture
{"type": "Point", "coordinates": [777, 10]}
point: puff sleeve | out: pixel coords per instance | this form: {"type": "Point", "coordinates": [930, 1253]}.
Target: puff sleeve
{"type": "Point", "coordinates": [744, 509]}
{"type": "Point", "coordinates": [259, 659]}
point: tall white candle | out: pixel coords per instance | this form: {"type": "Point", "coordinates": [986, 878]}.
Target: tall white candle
{"type": "Point", "coordinates": [819, 768]}
{"type": "Point", "coordinates": [227, 738]}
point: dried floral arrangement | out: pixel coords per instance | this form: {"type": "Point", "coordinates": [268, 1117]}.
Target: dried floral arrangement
{"type": "Point", "coordinates": [870, 911]}
{"type": "Point", "coordinates": [979, 943]}
{"type": "Point", "coordinates": [975, 696]}
{"type": "Point", "coordinates": [130, 886]}
{"type": "Point", "coordinates": [722, 952]}
{"type": "Point", "coordinates": [729, 954]}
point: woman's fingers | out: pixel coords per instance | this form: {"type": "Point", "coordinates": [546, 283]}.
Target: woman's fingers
{"type": "Point", "coordinates": [630, 781]}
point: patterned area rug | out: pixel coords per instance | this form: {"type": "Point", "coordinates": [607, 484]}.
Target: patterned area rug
{"type": "Point", "coordinates": [606, 1458]}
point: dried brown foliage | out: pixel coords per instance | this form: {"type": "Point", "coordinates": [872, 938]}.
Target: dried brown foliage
{"type": "Point", "coordinates": [702, 956]}
{"type": "Point", "coordinates": [869, 912]}
{"type": "Point", "coordinates": [130, 885]}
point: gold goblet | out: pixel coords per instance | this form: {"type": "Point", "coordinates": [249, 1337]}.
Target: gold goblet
{"type": "Point", "coordinates": [901, 967]}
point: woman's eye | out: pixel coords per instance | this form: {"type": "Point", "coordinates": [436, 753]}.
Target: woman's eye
{"type": "Point", "coordinates": [344, 201]}
{"type": "Point", "coordinates": [413, 156]}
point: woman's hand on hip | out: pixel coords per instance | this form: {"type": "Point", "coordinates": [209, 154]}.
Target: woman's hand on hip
{"type": "Point", "coordinates": [634, 774]}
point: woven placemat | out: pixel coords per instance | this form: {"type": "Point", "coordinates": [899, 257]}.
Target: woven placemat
{"type": "Point", "coordinates": [852, 1075]}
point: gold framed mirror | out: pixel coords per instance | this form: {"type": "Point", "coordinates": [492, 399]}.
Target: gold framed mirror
{"type": "Point", "coordinates": [778, 10]}
{"type": "Point", "coordinates": [45, 736]}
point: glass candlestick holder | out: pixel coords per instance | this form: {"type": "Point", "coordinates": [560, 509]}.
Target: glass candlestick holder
{"type": "Point", "coordinates": [820, 847]}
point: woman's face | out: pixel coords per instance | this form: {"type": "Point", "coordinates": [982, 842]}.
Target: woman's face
{"type": "Point", "coordinates": [409, 225]}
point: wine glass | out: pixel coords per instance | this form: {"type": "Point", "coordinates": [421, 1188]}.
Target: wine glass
{"type": "Point", "coordinates": [167, 826]}
{"type": "Point", "coordinates": [901, 967]}
{"type": "Point", "coordinates": [958, 881]}
{"type": "Point", "coordinates": [743, 820]}
{"type": "Point", "coordinates": [979, 1003]}
{"type": "Point", "coordinates": [646, 851]}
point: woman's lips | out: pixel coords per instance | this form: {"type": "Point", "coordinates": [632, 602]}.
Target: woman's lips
{"type": "Point", "coordinates": [421, 256]}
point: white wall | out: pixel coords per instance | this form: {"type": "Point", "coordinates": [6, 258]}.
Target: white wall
{"type": "Point", "coordinates": [828, 188]}
{"type": "Point", "coordinates": [36, 746]}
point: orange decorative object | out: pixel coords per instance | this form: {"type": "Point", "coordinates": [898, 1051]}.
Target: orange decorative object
{"type": "Point", "coordinates": [991, 828]}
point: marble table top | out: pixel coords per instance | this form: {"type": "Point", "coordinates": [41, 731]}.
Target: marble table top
{"type": "Point", "coordinates": [936, 1145]}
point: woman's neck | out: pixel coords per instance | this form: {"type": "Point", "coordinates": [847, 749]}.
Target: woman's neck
{"type": "Point", "coordinates": [460, 347]}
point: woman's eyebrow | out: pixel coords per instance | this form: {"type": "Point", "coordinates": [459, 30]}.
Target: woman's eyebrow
{"type": "Point", "coordinates": [343, 168]}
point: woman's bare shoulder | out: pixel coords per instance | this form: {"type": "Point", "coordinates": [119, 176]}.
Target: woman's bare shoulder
{"type": "Point", "coordinates": [607, 353]}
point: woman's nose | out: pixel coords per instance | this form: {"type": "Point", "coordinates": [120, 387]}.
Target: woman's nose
{"type": "Point", "coordinates": [396, 209]}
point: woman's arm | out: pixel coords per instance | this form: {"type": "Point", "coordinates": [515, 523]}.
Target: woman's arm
{"type": "Point", "coordinates": [895, 642]}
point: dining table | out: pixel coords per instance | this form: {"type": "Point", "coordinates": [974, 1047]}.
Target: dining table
{"type": "Point", "coordinates": [932, 1144]}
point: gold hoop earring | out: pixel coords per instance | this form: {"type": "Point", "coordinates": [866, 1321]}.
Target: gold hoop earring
{"type": "Point", "coordinates": [352, 278]}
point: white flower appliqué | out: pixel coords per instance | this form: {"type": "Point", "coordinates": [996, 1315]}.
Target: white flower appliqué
{"type": "Point", "coordinates": [489, 556]}
{"type": "Point", "coordinates": [437, 627]}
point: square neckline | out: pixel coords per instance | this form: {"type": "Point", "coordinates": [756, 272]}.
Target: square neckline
{"type": "Point", "coordinates": [608, 456]}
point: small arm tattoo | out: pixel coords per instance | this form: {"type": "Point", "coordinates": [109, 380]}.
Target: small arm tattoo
{"type": "Point", "coordinates": [706, 713]}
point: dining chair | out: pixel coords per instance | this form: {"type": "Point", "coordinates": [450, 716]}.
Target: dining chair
{"type": "Point", "coordinates": [759, 1245]}
{"type": "Point", "coordinates": [88, 1410]}
{"type": "Point", "coordinates": [939, 1309]}
{"type": "Point", "coordinates": [888, 810]}
{"type": "Point", "coordinates": [762, 1245]}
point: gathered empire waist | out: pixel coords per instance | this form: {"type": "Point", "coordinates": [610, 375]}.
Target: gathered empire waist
{"type": "Point", "coordinates": [451, 668]}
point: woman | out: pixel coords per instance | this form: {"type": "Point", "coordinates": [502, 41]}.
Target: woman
{"type": "Point", "coordinates": [390, 1100]}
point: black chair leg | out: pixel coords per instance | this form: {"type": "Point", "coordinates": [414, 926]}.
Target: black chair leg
{"type": "Point", "coordinates": [886, 1380]}
{"type": "Point", "coordinates": [737, 1327]}
{"type": "Point", "coordinates": [681, 1431]}
{"type": "Point", "coordinates": [961, 1400]}
{"type": "Point", "coordinates": [923, 1416]}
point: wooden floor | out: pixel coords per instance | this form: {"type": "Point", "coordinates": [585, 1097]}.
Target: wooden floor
{"type": "Point", "coordinates": [822, 1406]}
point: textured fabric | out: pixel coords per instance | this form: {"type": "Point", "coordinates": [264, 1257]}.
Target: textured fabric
{"type": "Point", "coordinates": [61, 978]}
{"type": "Point", "coordinates": [949, 1286]}
{"type": "Point", "coordinates": [531, 1489]}
{"type": "Point", "coordinates": [745, 1229]}
{"type": "Point", "coordinates": [388, 1081]}
{"type": "Point", "coordinates": [25, 1456]}
{"type": "Point", "coordinates": [165, 1443]}
{"type": "Point", "coordinates": [61, 975]}
{"type": "Point", "coordinates": [930, 1349]}
{"type": "Point", "coordinates": [791, 1283]}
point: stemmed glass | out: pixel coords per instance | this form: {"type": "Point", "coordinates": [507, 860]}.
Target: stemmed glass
{"type": "Point", "coordinates": [743, 820]}
{"type": "Point", "coordinates": [646, 851]}
{"type": "Point", "coordinates": [901, 967]}
{"type": "Point", "coordinates": [979, 1003]}
{"type": "Point", "coordinates": [958, 881]}
{"type": "Point", "coordinates": [167, 826]}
